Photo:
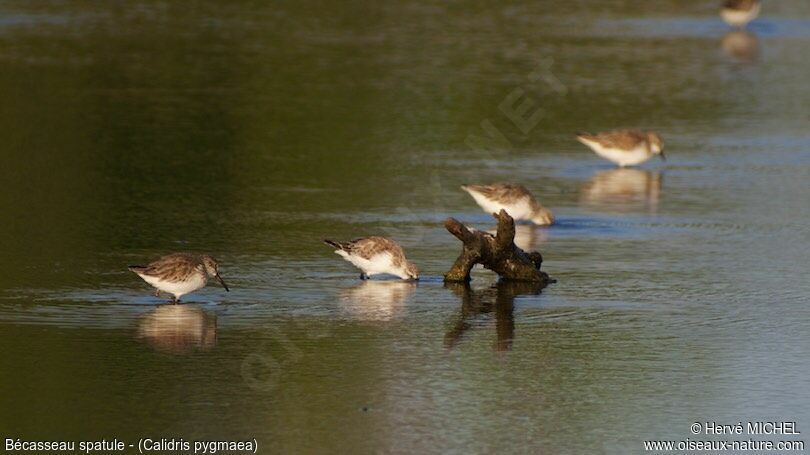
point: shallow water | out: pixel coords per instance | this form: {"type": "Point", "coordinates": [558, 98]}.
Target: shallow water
{"type": "Point", "coordinates": [253, 131]}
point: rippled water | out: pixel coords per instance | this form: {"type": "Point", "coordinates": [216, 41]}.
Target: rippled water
{"type": "Point", "coordinates": [253, 131]}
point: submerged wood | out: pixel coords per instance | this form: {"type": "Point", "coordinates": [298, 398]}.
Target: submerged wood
{"type": "Point", "coordinates": [495, 252]}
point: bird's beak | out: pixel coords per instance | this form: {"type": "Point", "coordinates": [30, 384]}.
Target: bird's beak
{"type": "Point", "coordinates": [663, 157]}
{"type": "Point", "coordinates": [223, 282]}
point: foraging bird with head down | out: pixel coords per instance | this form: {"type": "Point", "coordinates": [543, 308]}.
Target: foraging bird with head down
{"type": "Point", "coordinates": [376, 256]}
{"type": "Point", "coordinates": [738, 13]}
{"type": "Point", "coordinates": [625, 147]}
{"type": "Point", "coordinates": [179, 273]}
{"type": "Point", "coordinates": [518, 202]}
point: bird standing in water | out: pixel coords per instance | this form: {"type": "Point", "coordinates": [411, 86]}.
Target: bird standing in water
{"type": "Point", "coordinates": [738, 13]}
{"type": "Point", "coordinates": [376, 256]}
{"type": "Point", "coordinates": [625, 147]}
{"type": "Point", "coordinates": [179, 273]}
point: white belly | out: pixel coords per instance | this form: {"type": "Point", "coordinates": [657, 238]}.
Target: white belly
{"type": "Point", "coordinates": [377, 265]}
{"type": "Point", "coordinates": [520, 210]}
{"type": "Point", "coordinates": [621, 157]}
{"type": "Point", "coordinates": [178, 288]}
{"type": "Point", "coordinates": [739, 18]}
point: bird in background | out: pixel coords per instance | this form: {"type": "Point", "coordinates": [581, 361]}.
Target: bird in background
{"type": "Point", "coordinates": [518, 202]}
{"type": "Point", "coordinates": [376, 256]}
{"type": "Point", "coordinates": [738, 13]}
{"type": "Point", "coordinates": [625, 147]}
{"type": "Point", "coordinates": [179, 273]}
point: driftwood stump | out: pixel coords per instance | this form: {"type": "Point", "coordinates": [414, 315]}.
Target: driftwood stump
{"type": "Point", "coordinates": [495, 252]}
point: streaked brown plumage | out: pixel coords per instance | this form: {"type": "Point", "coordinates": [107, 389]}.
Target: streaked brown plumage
{"type": "Point", "coordinates": [625, 147]}
{"type": "Point", "coordinates": [741, 5]}
{"type": "Point", "coordinates": [376, 255]}
{"type": "Point", "coordinates": [179, 273]}
{"type": "Point", "coordinates": [518, 201]}
{"type": "Point", "coordinates": [622, 139]}
{"type": "Point", "coordinates": [368, 247]}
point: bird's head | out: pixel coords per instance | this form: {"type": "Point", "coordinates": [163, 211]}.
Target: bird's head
{"type": "Point", "coordinates": [656, 144]}
{"type": "Point", "coordinates": [212, 269]}
{"type": "Point", "coordinates": [410, 271]}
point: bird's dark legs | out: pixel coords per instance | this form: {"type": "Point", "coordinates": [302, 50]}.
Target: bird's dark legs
{"type": "Point", "coordinates": [157, 292]}
{"type": "Point", "coordinates": [363, 276]}
{"type": "Point", "coordinates": [175, 300]}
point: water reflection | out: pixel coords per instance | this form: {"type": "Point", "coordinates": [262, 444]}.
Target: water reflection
{"type": "Point", "coordinates": [741, 45]}
{"type": "Point", "coordinates": [499, 300]}
{"type": "Point", "coordinates": [376, 300]}
{"type": "Point", "coordinates": [623, 186]}
{"type": "Point", "coordinates": [178, 329]}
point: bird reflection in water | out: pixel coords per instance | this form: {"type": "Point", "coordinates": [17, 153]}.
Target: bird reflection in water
{"type": "Point", "coordinates": [623, 186]}
{"type": "Point", "coordinates": [374, 300]}
{"type": "Point", "coordinates": [741, 45]}
{"type": "Point", "coordinates": [498, 300]}
{"type": "Point", "coordinates": [178, 329]}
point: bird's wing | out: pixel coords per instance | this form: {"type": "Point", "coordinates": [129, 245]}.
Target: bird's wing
{"type": "Point", "coordinates": [622, 139]}
{"type": "Point", "coordinates": [171, 267]}
{"type": "Point", "coordinates": [369, 247]}
{"type": "Point", "coordinates": [500, 192]}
